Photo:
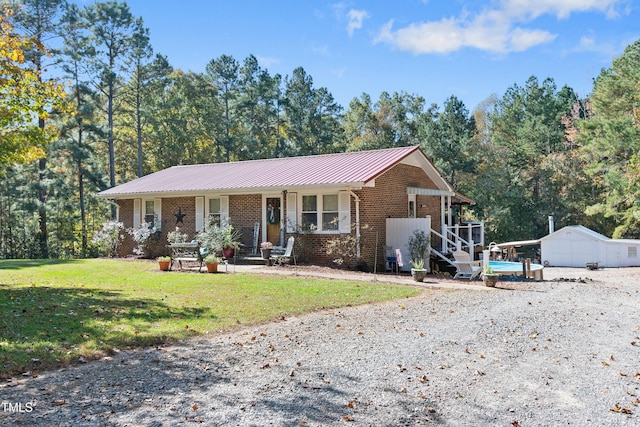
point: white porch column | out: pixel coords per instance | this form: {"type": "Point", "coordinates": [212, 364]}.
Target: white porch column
{"type": "Point", "coordinates": [357, 200]}
{"type": "Point", "coordinates": [449, 213]}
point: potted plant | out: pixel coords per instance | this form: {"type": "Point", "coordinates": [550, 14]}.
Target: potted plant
{"type": "Point", "coordinates": [210, 240]}
{"type": "Point", "coordinates": [489, 278]}
{"type": "Point", "coordinates": [211, 261]}
{"type": "Point", "coordinates": [230, 240]}
{"type": "Point", "coordinates": [265, 249]}
{"type": "Point", "coordinates": [419, 248]}
{"type": "Point", "coordinates": [164, 262]}
{"type": "Point", "coordinates": [418, 272]}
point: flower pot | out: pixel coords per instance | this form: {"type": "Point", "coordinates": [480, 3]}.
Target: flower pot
{"type": "Point", "coordinates": [266, 253]}
{"type": "Point", "coordinates": [212, 267]}
{"type": "Point", "coordinates": [418, 274]}
{"type": "Point", "coordinates": [490, 280]}
{"type": "Point", "coordinates": [228, 252]}
{"type": "Point", "coordinates": [164, 265]}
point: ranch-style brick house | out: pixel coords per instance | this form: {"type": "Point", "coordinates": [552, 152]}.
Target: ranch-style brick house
{"type": "Point", "coordinates": [268, 199]}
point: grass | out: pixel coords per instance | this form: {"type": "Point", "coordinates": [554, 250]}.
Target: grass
{"type": "Point", "coordinates": [54, 313]}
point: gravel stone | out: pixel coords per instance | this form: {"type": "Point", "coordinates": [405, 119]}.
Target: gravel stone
{"type": "Point", "coordinates": [564, 351]}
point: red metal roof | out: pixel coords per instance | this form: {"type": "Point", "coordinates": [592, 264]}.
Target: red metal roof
{"type": "Point", "coordinates": [353, 168]}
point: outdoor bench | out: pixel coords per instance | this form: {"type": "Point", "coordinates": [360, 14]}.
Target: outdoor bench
{"type": "Point", "coordinates": [185, 252]}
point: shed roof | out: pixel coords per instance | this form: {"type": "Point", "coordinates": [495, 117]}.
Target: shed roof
{"type": "Point", "coordinates": [343, 169]}
{"type": "Point", "coordinates": [578, 228]}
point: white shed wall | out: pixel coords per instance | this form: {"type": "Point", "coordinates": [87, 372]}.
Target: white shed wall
{"type": "Point", "coordinates": [572, 248]}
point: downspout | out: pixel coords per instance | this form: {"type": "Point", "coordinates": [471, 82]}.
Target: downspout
{"type": "Point", "coordinates": [443, 225]}
{"type": "Point", "coordinates": [357, 199]}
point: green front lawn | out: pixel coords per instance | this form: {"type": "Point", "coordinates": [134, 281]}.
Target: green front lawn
{"type": "Point", "coordinates": [54, 312]}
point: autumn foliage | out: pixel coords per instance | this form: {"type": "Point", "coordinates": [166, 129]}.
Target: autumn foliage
{"type": "Point", "coordinates": [24, 99]}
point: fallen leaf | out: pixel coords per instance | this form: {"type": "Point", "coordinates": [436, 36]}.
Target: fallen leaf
{"type": "Point", "coordinates": [347, 418]}
{"type": "Point", "coordinates": [620, 409]}
{"type": "Point", "coordinates": [292, 373]}
{"type": "Point", "coordinates": [534, 335]}
{"type": "Point", "coordinates": [605, 363]}
{"type": "Point", "coordinates": [611, 357]}
{"type": "Point", "coordinates": [59, 402]}
{"type": "Point", "coordinates": [194, 407]}
{"type": "Point", "coordinates": [353, 404]}
{"type": "Point", "coordinates": [423, 379]}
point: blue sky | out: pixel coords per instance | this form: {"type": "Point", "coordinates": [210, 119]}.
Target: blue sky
{"type": "Point", "coordinates": [433, 48]}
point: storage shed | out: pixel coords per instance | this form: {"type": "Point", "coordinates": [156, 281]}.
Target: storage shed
{"type": "Point", "coordinates": [576, 245]}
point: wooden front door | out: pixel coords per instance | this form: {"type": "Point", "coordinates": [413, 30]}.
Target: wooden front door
{"type": "Point", "coordinates": [274, 212]}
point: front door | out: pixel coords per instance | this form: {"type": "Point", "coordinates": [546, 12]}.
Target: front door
{"type": "Point", "coordinates": [273, 213]}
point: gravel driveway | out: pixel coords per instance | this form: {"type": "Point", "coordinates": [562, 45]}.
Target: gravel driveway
{"type": "Point", "coordinates": [537, 354]}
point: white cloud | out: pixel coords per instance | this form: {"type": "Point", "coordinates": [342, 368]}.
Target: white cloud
{"type": "Point", "coordinates": [521, 40]}
{"type": "Point", "coordinates": [356, 17]}
{"type": "Point", "coordinates": [266, 61]}
{"type": "Point", "coordinates": [562, 9]}
{"type": "Point", "coordinates": [494, 30]}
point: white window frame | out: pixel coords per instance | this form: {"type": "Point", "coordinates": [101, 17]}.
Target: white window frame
{"type": "Point", "coordinates": [224, 209]}
{"type": "Point", "coordinates": [343, 212]}
{"type": "Point", "coordinates": [140, 212]}
{"type": "Point", "coordinates": [412, 200]}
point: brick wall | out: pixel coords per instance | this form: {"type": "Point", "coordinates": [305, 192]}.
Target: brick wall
{"type": "Point", "coordinates": [244, 211]}
{"type": "Point", "coordinates": [125, 216]}
{"type": "Point", "coordinates": [388, 199]}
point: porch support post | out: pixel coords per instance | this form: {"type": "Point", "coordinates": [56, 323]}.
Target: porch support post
{"type": "Point", "coordinates": [357, 200]}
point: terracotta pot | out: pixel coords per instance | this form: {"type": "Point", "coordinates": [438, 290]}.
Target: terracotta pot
{"type": "Point", "coordinates": [212, 267]}
{"type": "Point", "coordinates": [164, 265]}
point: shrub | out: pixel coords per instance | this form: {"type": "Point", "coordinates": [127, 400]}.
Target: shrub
{"type": "Point", "coordinates": [109, 238]}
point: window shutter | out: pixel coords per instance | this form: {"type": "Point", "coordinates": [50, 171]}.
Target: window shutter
{"type": "Point", "coordinates": [137, 212]}
{"type": "Point", "coordinates": [199, 214]}
{"type": "Point", "coordinates": [157, 211]}
{"type": "Point", "coordinates": [344, 212]}
{"type": "Point", "coordinates": [292, 212]}
{"type": "Point", "coordinates": [224, 210]}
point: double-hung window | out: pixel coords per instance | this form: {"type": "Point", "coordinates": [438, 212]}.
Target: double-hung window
{"type": "Point", "coordinates": [149, 212]}
{"type": "Point", "coordinates": [321, 212]}
{"type": "Point", "coordinates": [330, 216]}
{"type": "Point", "coordinates": [217, 210]}
{"type": "Point", "coordinates": [310, 212]}
{"type": "Point", "coordinates": [214, 212]}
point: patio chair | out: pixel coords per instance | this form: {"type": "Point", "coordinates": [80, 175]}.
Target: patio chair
{"type": "Point", "coordinates": [466, 269]}
{"type": "Point", "coordinates": [391, 260]}
{"type": "Point", "coordinates": [281, 259]}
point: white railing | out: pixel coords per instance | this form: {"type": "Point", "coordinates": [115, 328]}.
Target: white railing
{"type": "Point", "coordinates": [466, 237]}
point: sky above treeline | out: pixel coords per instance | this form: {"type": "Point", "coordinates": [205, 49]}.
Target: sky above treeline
{"type": "Point", "coordinates": [432, 48]}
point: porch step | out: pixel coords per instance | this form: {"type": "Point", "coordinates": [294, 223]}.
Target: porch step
{"type": "Point", "coordinates": [250, 260]}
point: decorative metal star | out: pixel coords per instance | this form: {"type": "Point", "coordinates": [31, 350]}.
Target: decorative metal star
{"type": "Point", "coordinates": [180, 216]}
